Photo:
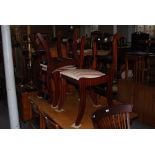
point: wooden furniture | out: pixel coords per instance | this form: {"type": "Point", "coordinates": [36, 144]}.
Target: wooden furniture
{"type": "Point", "coordinates": [66, 118]}
{"type": "Point", "coordinates": [137, 60]}
{"type": "Point", "coordinates": [51, 67]}
{"type": "Point", "coordinates": [35, 122]}
{"type": "Point", "coordinates": [142, 98]}
{"type": "Point", "coordinates": [86, 78]}
{"type": "Point", "coordinates": [112, 117]}
{"type": "Point", "coordinates": [49, 64]}
{"type": "Point", "coordinates": [48, 123]}
{"type": "Point", "coordinates": [140, 41]}
{"type": "Point", "coordinates": [140, 65]}
{"type": "Point", "coordinates": [150, 68]}
{"type": "Point", "coordinates": [23, 94]}
{"type": "Point", "coordinates": [56, 73]}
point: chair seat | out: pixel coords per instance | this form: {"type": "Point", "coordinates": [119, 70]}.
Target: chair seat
{"type": "Point", "coordinates": [82, 73]}
{"type": "Point", "coordinates": [68, 67]}
{"type": "Point", "coordinates": [86, 52]}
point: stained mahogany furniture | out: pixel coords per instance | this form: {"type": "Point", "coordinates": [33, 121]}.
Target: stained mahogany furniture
{"type": "Point", "coordinates": [47, 122]}
{"type": "Point", "coordinates": [66, 118]}
{"type": "Point", "coordinates": [141, 96]}
{"type": "Point", "coordinates": [35, 122]}
{"type": "Point", "coordinates": [86, 78]}
{"type": "Point", "coordinates": [140, 65]}
{"type": "Point", "coordinates": [56, 72]}
{"type": "Point", "coordinates": [137, 60]}
{"type": "Point", "coordinates": [112, 117]}
{"type": "Point", "coordinates": [23, 94]}
{"type": "Point", "coordinates": [49, 64]}
{"type": "Point", "coordinates": [55, 65]}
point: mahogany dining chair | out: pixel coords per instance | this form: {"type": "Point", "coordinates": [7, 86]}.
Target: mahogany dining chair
{"type": "Point", "coordinates": [56, 73]}
{"type": "Point", "coordinates": [50, 66]}
{"type": "Point", "coordinates": [85, 78]}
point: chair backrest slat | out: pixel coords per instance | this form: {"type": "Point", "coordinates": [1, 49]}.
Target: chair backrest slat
{"type": "Point", "coordinates": [112, 117]}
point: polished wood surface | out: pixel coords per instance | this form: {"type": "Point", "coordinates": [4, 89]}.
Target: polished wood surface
{"type": "Point", "coordinates": [51, 64]}
{"type": "Point", "coordinates": [112, 117]}
{"type": "Point", "coordinates": [141, 96]}
{"type": "Point", "coordinates": [139, 63]}
{"type": "Point", "coordinates": [65, 119]}
{"type": "Point", "coordinates": [85, 82]}
{"type": "Point", "coordinates": [23, 102]}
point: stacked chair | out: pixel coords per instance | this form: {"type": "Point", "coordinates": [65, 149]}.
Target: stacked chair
{"type": "Point", "coordinates": [85, 78]}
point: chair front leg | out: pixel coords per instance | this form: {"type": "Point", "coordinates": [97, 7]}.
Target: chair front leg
{"type": "Point", "coordinates": [82, 104]}
{"type": "Point", "coordinates": [56, 81]}
{"type": "Point", "coordinates": [93, 96]}
{"type": "Point", "coordinates": [109, 92]}
{"type": "Point", "coordinates": [62, 93]}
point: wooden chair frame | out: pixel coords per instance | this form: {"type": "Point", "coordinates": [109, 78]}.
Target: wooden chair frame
{"type": "Point", "coordinates": [112, 117]}
{"type": "Point", "coordinates": [83, 83]}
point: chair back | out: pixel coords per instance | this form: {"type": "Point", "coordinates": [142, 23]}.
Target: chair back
{"type": "Point", "coordinates": [81, 58]}
{"type": "Point", "coordinates": [62, 46]}
{"type": "Point", "coordinates": [113, 68]}
{"type": "Point", "coordinates": [112, 117]}
{"type": "Point", "coordinates": [41, 41]}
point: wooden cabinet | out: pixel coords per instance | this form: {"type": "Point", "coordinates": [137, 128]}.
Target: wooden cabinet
{"type": "Point", "coordinates": [24, 106]}
{"type": "Point", "coordinates": [144, 102]}
{"type": "Point", "coordinates": [141, 96]}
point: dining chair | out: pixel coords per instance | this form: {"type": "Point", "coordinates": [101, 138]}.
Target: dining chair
{"type": "Point", "coordinates": [51, 66]}
{"type": "Point", "coordinates": [85, 78]}
{"type": "Point", "coordinates": [56, 73]}
{"type": "Point", "coordinates": [112, 117]}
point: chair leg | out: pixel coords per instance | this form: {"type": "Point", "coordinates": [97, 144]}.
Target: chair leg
{"type": "Point", "coordinates": [49, 89]}
{"type": "Point", "coordinates": [42, 123]}
{"type": "Point", "coordinates": [93, 96]}
{"type": "Point", "coordinates": [62, 94]}
{"type": "Point", "coordinates": [56, 78]}
{"type": "Point", "coordinates": [82, 104]}
{"type": "Point", "coordinates": [109, 93]}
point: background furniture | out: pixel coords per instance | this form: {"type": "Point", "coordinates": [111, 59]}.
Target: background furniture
{"type": "Point", "coordinates": [142, 98]}
{"type": "Point", "coordinates": [112, 117]}
{"type": "Point", "coordinates": [23, 94]}
{"type": "Point", "coordinates": [140, 41]}
{"type": "Point", "coordinates": [48, 123]}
